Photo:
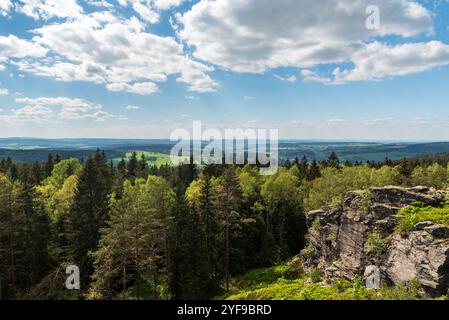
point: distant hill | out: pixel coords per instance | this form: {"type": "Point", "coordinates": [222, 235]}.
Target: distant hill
{"type": "Point", "coordinates": [31, 149]}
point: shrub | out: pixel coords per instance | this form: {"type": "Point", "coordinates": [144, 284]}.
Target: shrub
{"type": "Point", "coordinates": [367, 201]}
{"type": "Point", "coordinates": [332, 237]}
{"type": "Point", "coordinates": [316, 224]}
{"type": "Point", "coordinates": [315, 276]}
{"type": "Point", "coordinates": [411, 215]}
{"type": "Point", "coordinates": [295, 269]}
{"type": "Point", "coordinates": [309, 252]}
{"type": "Point", "coordinates": [375, 243]}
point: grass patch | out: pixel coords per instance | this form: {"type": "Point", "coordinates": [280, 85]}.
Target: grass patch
{"type": "Point", "coordinates": [411, 215]}
{"type": "Point", "coordinates": [271, 284]}
{"type": "Point", "coordinates": [304, 289]}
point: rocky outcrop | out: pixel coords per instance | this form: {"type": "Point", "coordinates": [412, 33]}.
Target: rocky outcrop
{"type": "Point", "coordinates": [345, 241]}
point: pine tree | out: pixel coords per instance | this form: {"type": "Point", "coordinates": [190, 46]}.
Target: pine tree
{"type": "Point", "coordinates": [135, 243]}
{"type": "Point", "coordinates": [314, 171]}
{"type": "Point", "coordinates": [89, 212]}
{"type": "Point", "coordinates": [132, 166]}
{"type": "Point", "coordinates": [48, 166]}
{"type": "Point", "coordinates": [333, 161]}
{"type": "Point", "coordinates": [228, 204]}
{"type": "Point", "coordinates": [303, 168]}
{"type": "Point", "coordinates": [188, 270]}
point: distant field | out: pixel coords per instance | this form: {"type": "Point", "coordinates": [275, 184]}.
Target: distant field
{"type": "Point", "coordinates": [157, 151]}
{"type": "Point", "coordinates": [153, 158]}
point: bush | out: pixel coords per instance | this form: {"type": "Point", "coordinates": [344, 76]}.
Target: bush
{"type": "Point", "coordinates": [309, 252]}
{"type": "Point", "coordinates": [295, 269]}
{"type": "Point", "coordinates": [411, 215]}
{"type": "Point", "coordinates": [316, 224]}
{"type": "Point", "coordinates": [375, 243]}
{"type": "Point", "coordinates": [367, 201]}
{"type": "Point", "coordinates": [315, 276]}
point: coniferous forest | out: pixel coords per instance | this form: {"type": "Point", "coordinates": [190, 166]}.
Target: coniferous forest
{"type": "Point", "coordinates": [142, 232]}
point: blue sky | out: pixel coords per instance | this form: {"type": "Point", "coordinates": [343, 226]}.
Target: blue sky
{"type": "Point", "coordinates": [142, 68]}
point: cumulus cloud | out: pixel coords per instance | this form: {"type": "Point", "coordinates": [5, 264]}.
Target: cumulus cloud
{"type": "Point", "coordinates": [377, 61]}
{"type": "Point", "coordinates": [33, 113]}
{"type": "Point", "coordinates": [4, 92]}
{"type": "Point", "coordinates": [99, 3]}
{"type": "Point", "coordinates": [47, 9]}
{"type": "Point", "coordinates": [71, 109]}
{"type": "Point", "coordinates": [5, 6]}
{"type": "Point", "coordinates": [291, 79]}
{"type": "Point", "coordinates": [149, 10]}
{"type": "Point", "coordinates": [131, 107]}
{"type": "Point", "coordinates": [257, 35]}
{"type": "Point", "coordinates": [104, 49]}
{"type": "Point", "coordinates": [13, 47]}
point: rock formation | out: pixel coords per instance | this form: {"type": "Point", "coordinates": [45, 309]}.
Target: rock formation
{"type": "Point", "coordinates": [339, 244]}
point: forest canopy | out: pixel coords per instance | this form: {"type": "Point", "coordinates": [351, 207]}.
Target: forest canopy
{"type": "Point", "coordinates": [146, 232]}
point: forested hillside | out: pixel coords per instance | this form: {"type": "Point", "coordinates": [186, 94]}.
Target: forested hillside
{"type": "Point", "coordinates": [140, 232]}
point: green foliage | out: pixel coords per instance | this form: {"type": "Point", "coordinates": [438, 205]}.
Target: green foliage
{"type": "Point", "coordinates": [295, 268]}
{"type": "Point", "coordinates": [434, 175]}
{"type": "Point", "coordinates": [367, 201]}
{"type": "Point", "coordinates": [57, 192]}
{"type": "Point", "coordinates": [334, 183]}
{"type": "Point", "coordinates": [411, 215]}
{"type": "Point", "coordinates": [332, 237]}
{"type": "Point", "coordinates": [162, 232]}
{"type": "Point", "coordinates": [315, 276]}
{"type": "Point", "coordinates": [304, 289]}
{"type": "Point", "coordinates": [309, 252]}
{"type": "Point", "coordinates": [409, 291]}
{"type": "Point", "coordinates": [375, 243]}
{"type": "Point", "coordinates": [316, 224]}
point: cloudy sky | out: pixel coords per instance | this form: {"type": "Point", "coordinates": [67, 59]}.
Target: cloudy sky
{"type": "Point", "coordinates": [141, 68]}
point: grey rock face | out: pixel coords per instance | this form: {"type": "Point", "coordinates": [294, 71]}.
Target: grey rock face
{"type": "Point", "coordinates": [339, 248]}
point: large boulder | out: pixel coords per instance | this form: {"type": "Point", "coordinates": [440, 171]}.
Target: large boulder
{"type": "Point", "coordinates": [341, 242]}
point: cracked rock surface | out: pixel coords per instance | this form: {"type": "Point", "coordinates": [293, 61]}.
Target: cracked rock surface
{"type": "Point", "coordinates": [337, 248]}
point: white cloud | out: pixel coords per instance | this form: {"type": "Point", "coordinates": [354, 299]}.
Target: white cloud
{"type": "Point", "coordinates": [4, 92]}
{"type": "Point", "coordinates": [377, 61]}
{"type": "Point", "coordinates": [313, 76]}
{"type": "Point", "coordinates": [247, 98]}
{"type": "Point", "coordinates": [149, 10]}
{"type": "Point", "coordinates": [258, 35]}
{"type": "Point", "coordinates": [130, 107]}
{"type": "Point", "coordinates": [5, 6]}
{"type": "Point", "coordinates": [142, 88]}
{"type": "Point", "coordinates": [192, 98]}
{"type": "Point", "coordinates": [146, 13]}
{"type": "Point", "coordinates": [47, 9]}
{"type": "Point", "coordinates": [13, 47]}
{"type": "Point", "coordinates": [104, 49]}
{"type": "Point", "coordinates": [336, 121]}
{"type": "Point", "coordinates": [99, 3]}
{"type": "Point", "coordinates": [35, 113]}
{"type": "Point", "coordinates": [291, 79]}
{"type": "Point", "coordinates": [71, 109]}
